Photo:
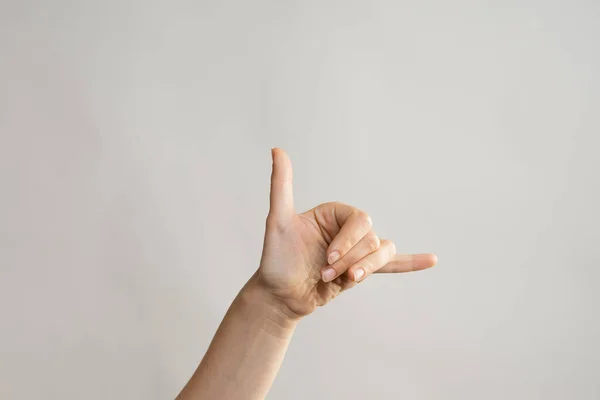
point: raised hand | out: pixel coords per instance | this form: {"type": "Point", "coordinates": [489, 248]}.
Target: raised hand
{"type": "Point", "coordinates": [309, 258]}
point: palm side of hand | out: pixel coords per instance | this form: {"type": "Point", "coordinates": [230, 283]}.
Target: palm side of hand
{"type": "Point", "coordinates": [300, 248]}
{"type": "Point", "coordinates": [292, 261]}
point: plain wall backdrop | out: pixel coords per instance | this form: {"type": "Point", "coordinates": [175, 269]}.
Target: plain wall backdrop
{"type": "Point", "coordinates": [135, 145]}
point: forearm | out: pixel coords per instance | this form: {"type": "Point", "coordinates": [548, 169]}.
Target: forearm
{"type": "Point", "coordinates": [247, 350]}
{"type": "Point", "coordinates": [307, 260]}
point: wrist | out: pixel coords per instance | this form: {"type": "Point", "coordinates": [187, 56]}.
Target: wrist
{"type": "Point", "coordinates": [270, 308]}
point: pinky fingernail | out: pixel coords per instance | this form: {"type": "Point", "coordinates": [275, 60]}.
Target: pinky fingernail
{"type": "Point", "coordinates": [358, 273]}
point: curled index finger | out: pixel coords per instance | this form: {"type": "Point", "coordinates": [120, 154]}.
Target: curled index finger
{"type": "Point", "coordinates": [354, 226]}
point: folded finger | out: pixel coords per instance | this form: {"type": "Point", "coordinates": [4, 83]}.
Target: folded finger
{"type": "Point", "coordinates": [373, 262]}
{"type": "Point", "coordinates": [367, 245]}
{"type": "Point", "coordinates": [353, 229]}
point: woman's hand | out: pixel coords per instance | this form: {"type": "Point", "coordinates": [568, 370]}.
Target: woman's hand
{"type": "Point", "coordinates": [309, 258]}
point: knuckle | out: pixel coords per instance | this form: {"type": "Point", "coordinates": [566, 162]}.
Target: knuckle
{"type": "Point", "coordinates": [367, 219]}
{"type": "Point", "coordinates": [363, 216]}
{"type": "Point", "coordinates": [373, 242]}
{"type": "Point", "coordinates": [388, 245]}
{"type": "Point", "coordinates": [274, 225]}
{"type": "Point", "coordinates": [392, 248]}
{"type": "Point", "coordinates": [270, 220]}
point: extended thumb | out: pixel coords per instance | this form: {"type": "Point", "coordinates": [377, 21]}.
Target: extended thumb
{"type": "Point", "coordinates": [282, 198]}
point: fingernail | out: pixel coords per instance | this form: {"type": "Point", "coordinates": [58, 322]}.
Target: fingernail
{"type": "Point", "coordinates": [328, 274]}
{"type": "Point", "coordinates": [358, 273]}
{"type": "Point", "coordinates": [333, 257]}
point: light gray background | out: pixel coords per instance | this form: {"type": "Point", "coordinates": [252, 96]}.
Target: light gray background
{"type": "Point", "coordinates": [134, 155]}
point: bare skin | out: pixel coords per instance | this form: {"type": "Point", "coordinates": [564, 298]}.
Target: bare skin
{"type": "Point", "coordinates": [307, 260]}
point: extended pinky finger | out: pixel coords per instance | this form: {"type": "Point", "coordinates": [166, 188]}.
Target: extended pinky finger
{"type": "Point", "coordinates": [408, 263]}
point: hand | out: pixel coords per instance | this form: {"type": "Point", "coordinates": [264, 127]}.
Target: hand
{"type": "Point", "coordinates": [309, 258]}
